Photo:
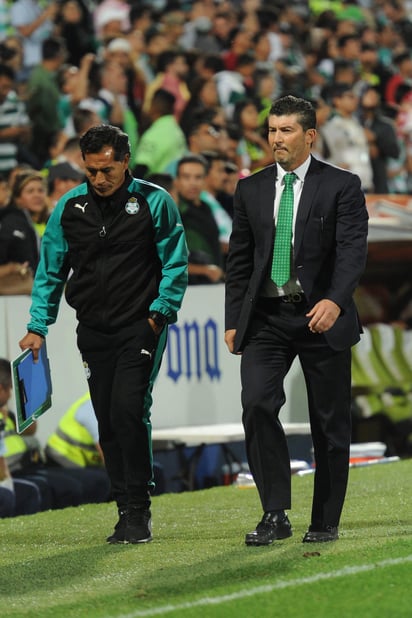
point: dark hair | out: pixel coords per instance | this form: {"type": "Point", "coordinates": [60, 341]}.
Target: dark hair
{"type": "Point", "coordinates": [6, 71]}
{"type": "Point", "coordinates": [338, 89]}
{"type": "Point", "coordinates": [213, 62]}
{"type": "Point", "coordinates": [288, 105]}
{"type": "Point", "coordinates": [213, 155]}
{"type": "Point", "coordinates": [201, 117]}
{"type": "Point", "coordinates": [164, 101]}
{"type": "Point", "coordinates": [398, 59]}
{"type": "Point", "coordinates": [234, 131]}
{"type": "Point", "coordinates": [166, 58]}
{"type": "Point", "coordinates": [5, 373]}
{"type": "Point", "coordinates": [53, 47]}
{"type": "Point", "coordinates": [239, 107]}
{"type": "Point", "coordinates": [162, 179]}
{"type": "Point", "coordinates": [345, 38]}
{"type": "Point", "coordinates": [94, 140]}
{"type": "Point", "coordinates": [192, 159]}
{"type": "Point", "coordinates": [81, 119]}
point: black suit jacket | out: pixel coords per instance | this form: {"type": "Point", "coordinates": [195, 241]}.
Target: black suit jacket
{"type": "Point", "coordinates": [330, 246]}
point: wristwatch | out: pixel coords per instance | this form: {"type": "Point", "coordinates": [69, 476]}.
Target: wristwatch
{"type": "Point", "coordinates": [158, 318]}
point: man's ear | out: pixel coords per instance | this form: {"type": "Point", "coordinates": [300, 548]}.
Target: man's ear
{"type": "Point", "coordinates": [310, 136]}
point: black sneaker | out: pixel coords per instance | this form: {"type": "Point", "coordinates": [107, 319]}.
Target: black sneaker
{"type": "Point", "coordinates": [119, 529]}
{"type": "Point", "coordinates": [138, 526]}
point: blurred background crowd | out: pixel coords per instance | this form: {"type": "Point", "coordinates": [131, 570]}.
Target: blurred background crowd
{"type": "Point", "coordinates": [191, 83]}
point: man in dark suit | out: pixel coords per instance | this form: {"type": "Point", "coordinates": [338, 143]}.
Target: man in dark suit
{"type": "Point", "coordinates": [308, 312]}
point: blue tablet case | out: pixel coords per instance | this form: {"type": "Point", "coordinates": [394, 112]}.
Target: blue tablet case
{"type": "Point", "coordinates": [32, 387]}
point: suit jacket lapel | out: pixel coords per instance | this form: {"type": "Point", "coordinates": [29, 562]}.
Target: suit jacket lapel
{"type": "Point", "coordinates": [310, 187]}
{"type": "Point", "coordinates": [267, 200]}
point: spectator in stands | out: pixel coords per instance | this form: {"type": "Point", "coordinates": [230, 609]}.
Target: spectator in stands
{"type": "Point", "coordinates": [172, 22]}
{"type": "Point", "coordinates": [83, 119]}
{"type": "Point", "coordinates": [75, 447]}
{"type": "Point", "coordinates": [74, 25]}
{"type": "Point", "coordinates": [29, 194]}
{"type": "Point", "coordinates": [208, 65]}
{"type": "Point", "coordinates": [34, 24]}
{"type": "Point", "coordinates": [233, 86]}
{"type": "Point", "coordinates": [214, 187]}
{"type": "Point", "coordinates": [240, 43]}
{"type": "Point", "coordinates": [61, 178]}
{"type": "Point", "coordinates": [14, 123]}
{"type": "Point", "coordinates": [140, 17]}
{"type": "Point", "coordinates": [266, 85]}
{"type": "Point", "coordinates": [155, 44]}
{"type": "Point", "coordinates": [71, 151]}
{"type": "Point", "coordinates": [171, 75]}
{"type": "Point", "coordinates": [371, 70]}
{"type": "Point", "coordinates": [291, 65]}
{"type": "Point", "coordinates": [120, 51]}
{"type": "Point", "coordinates": [323, 112]}
{"type": "Point", "coordinates": [202, 232]}
{"type": "Point", "coordinates": [164, 180]}
{"type": "Point", "coordinates": [198, 29]}
{"type": "Point", "coordinates": [223, 22]}
{"type": "Point", "coordinates": [111, 19]}
{"type": "Point", "coordinates": [233, 147]}
{"type": "Point", "coordinates": [11, 54]}
{"type": "Point", "coordinates": [163, 140]}
{"type": "Point", "coordinates": [402, 77]}
{"type": "Point", "coordinates": [349, 48]}
{"type": "Point", "coordinates": [43, 98]}
{"type": "Point", "coordinates": [203, 97]}
{"type": "Point", "coordinates": [396, 12]}
{"type": "Point", "coordinates": [73, 85]}
{"type": "Point", "coordinates": [4, 191]}
{"type": "Point", "coordinates": [257, 150]}
{"type": "Point", "coordinates": [344, 72]}
{"type": "Point", "coordinates": [344, 136]}
{"type": "Point", "coordinates": [18, 239]}
{"type": "Point", "coordinates": [207, 132]}
{"type": "Point", "coordinates": [381, 136]}
{"type": "Point", "coordinates": [226, 197]}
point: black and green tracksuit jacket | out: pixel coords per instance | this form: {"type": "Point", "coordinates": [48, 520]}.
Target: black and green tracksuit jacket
{"type": "Point", "coordinates": [117, 258]}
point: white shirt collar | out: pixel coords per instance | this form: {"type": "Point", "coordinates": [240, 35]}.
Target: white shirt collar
{"type": "Point", "coordinates": [300, 171]}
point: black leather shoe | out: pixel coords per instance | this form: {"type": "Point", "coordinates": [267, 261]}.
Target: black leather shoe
{"type": "Point", "coordinates": [321, 535]}
{"type": "Point", "coordinates": [273, 527]}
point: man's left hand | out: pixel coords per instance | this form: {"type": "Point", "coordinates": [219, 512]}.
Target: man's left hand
{"type": "Point", "coordinates": [323, 316]}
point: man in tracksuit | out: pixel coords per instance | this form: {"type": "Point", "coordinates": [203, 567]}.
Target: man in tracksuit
{"type": "Point", "coordinates": [118, 245]}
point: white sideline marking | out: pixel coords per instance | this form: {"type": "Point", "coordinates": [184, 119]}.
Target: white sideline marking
{"type": "Point", "coordinates": [234, 596]}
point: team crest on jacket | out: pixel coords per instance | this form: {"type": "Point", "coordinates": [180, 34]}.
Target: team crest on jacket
{"type": "Point", "coordinates": [132, 207]}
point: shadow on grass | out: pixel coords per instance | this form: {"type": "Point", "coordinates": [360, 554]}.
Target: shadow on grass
{"type": "Point", "coordinates": [90, 574]}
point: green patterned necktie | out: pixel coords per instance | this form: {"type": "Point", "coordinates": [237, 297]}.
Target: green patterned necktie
{"type": "Point", "coordinates": [283, 234]}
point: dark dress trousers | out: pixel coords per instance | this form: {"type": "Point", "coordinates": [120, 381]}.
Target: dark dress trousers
{"type": "Point", "coordinates": [329, 256]}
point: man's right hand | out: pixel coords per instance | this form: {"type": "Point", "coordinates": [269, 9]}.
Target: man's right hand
{"type": "Point", "coordinates": [32, 342]}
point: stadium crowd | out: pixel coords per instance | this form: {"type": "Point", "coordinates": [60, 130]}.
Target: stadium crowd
{"type": "Point", "coordinates": [191, 84]}
{"type": "Point", "coordinates": [195, 79]}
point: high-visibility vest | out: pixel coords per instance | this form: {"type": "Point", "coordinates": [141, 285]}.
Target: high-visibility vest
{"type": "Point", "coordinates": [72, 445]}
{"type": "Point", "coordinates": [16, 447]}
